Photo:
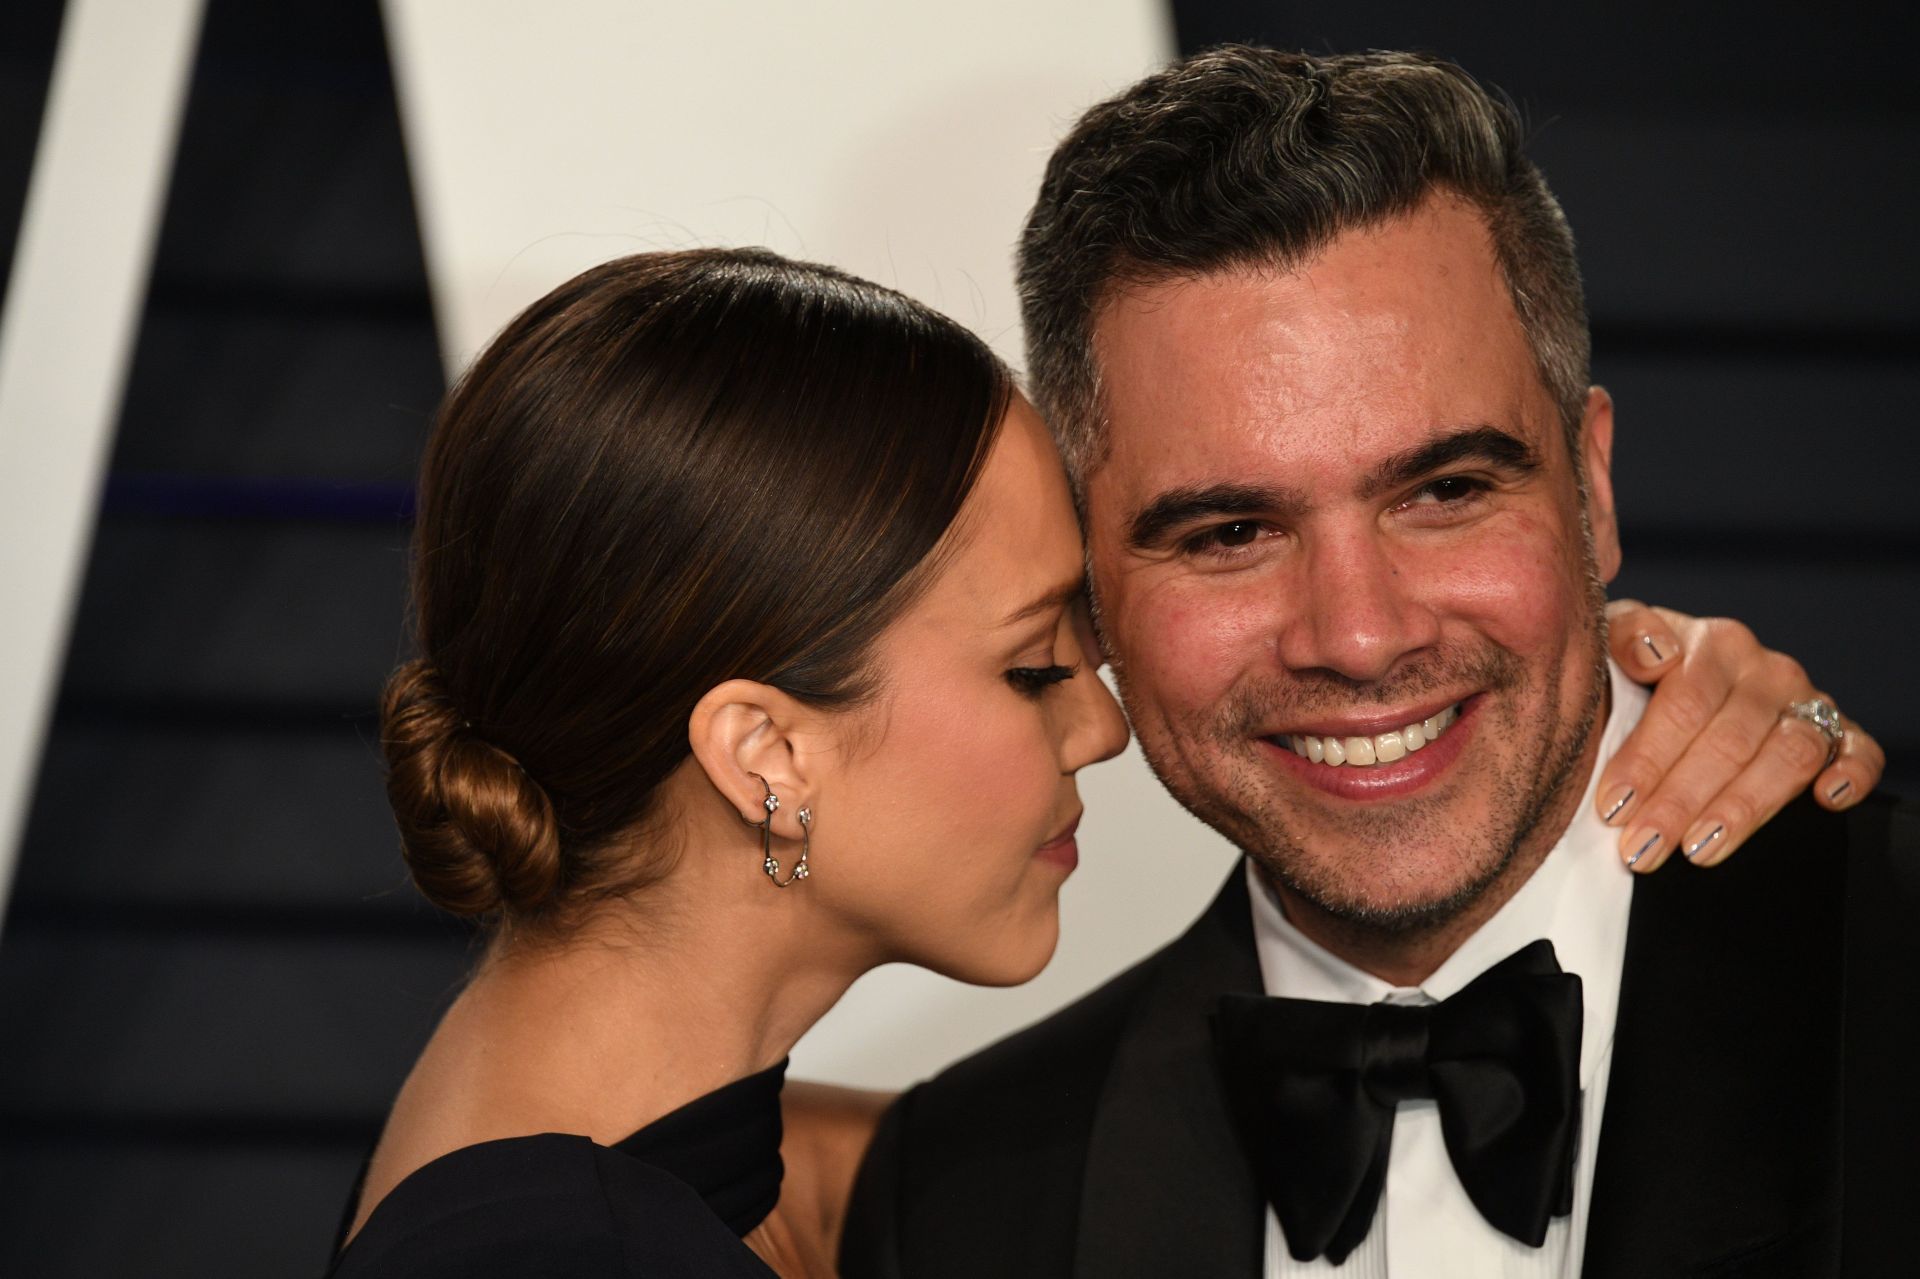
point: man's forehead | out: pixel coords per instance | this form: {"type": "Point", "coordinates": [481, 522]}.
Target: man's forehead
{"type": "Point", "coordinates": [1389, 333]}
{"type": "Point", "coordinates": [1438, 257]}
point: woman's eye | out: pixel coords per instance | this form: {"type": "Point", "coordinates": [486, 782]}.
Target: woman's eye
{"type": "Point", "coordinates": [1035, 680]}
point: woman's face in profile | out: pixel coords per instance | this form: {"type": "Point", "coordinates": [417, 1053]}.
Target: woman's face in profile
{"type": "Point", "coordinates": [947, 834]}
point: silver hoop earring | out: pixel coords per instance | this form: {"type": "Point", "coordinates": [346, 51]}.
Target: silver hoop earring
{"type": "Point", "coordinates": [768, 862]}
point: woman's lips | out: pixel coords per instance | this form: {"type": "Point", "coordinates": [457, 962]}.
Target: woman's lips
{"type": "Point", "coordinates": [1061, 850]}
{"type": "Point", "coordinates": [1407, 772]}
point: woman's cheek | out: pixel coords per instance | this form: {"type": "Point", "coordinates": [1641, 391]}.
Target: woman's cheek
{"type": "Point", "coordinates": [972, 765]}
{"type": "Point", "coordinates": [1015, 778]}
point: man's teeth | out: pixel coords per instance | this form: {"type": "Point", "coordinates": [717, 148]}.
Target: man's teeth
{"type": "Point", "coordinates": [1383, 748]}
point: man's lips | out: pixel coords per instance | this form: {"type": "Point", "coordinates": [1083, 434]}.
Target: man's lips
{"type": "Point", "coordinates": [1378, 749]}
{"type": "Point", "coordinates": [1372, 723]}
{"type": "Point", "coordinates": [1383, 766]}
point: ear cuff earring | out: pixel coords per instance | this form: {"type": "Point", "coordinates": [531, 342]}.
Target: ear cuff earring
{"type": "Point", "coordinates": [768, 862]}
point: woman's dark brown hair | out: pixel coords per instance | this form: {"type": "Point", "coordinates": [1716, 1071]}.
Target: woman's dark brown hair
{"type": "Point", "coordinates": [673, 470]}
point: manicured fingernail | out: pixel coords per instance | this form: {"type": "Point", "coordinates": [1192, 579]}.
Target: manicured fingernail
{"type": "Point", "coordinates": [1839, 792]}
{"type": "Point", "coordinates": [1652, 842]}
{"type": "Point", "coordinates": [1621, 798]}
{"type": "Point", "coordinates": [1711, 837]}
{"type": "Point", "coordinates": [1649, 654]}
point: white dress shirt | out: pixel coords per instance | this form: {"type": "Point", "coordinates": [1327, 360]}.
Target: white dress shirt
{"type": "Point", "coordinates": [1426, 1227]}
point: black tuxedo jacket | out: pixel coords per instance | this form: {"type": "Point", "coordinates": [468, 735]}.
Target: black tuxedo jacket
{"type": "Point", "coordinates": [1762, 1115]}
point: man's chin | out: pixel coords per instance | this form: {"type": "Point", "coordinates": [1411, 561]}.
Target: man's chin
{"type": "Point", "coordinates": [1405, 900]}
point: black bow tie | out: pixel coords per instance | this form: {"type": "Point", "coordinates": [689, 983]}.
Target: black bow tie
{"type": "Point", "coordinates": [1314, 1085]}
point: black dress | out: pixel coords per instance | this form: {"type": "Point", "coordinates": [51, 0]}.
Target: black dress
{"type": "Point", "coordinates": [674, 1199]}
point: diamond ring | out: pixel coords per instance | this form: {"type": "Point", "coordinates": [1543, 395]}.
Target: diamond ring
{"type": "Point", "coordinates": [1823, 715]}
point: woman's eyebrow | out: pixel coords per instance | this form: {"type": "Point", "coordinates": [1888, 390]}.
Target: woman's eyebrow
{"type": "Point", "coordinates": [1177, 508]}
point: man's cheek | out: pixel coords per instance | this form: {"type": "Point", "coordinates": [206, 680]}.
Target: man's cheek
{"type": "Point", "coordinates": [1516, 598]}
{"type": "Point", "coordinates": [1191, 646]}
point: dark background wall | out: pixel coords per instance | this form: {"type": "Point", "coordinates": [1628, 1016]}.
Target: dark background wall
{"type": "Point", "coordinates": [1739, 180]}
{"type": "Point", "coordinates": [212, 975]}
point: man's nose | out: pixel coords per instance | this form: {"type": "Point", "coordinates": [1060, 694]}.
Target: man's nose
{"type": "Point", "coordinates": [1358, 610]}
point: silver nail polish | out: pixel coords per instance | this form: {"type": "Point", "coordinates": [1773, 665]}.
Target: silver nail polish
{"type": "Point", "coordinates": [1653, 842]}
{"type": "Point", "coordinates": [1839, 790]}
{"type": "Point", "coordinates": [1653, 648]}
{"type": "Point", "coordinates": [1619, 804]}
{"type": "Point", "coordinates": [1708, 838]}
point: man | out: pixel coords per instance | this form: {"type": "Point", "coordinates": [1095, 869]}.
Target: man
{"type": "Point", "coordinates": [1311, 334]}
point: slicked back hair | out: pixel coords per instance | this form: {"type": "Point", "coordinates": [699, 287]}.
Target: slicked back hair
{"type": "Point", "coordinates": [674, 470]}
{"type": "Point", "coordinates": [1244, 157]}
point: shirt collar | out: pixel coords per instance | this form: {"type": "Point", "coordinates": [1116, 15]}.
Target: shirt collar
{"type": "Point", "coordinates": [1578, 899]}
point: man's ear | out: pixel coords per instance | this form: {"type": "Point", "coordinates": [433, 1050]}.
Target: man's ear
{"type": "Point", "coordinates": [742, 732]}
{"type": "Point", "coordinates": [1596, 447]}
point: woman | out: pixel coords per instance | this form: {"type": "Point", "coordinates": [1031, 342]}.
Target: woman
{"type": "Point", "coordinates": [753, 657]}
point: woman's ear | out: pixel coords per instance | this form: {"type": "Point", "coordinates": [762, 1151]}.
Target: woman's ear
{"type": "Point", "coordinates": [750, 738]}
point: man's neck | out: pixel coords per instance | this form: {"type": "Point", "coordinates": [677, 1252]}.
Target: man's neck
{"type": "Point", "coordinates": [1407, 957]}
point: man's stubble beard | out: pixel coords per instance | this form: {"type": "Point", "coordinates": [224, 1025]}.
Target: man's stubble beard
{"type": "Point", "coordinates": [1252, 811]}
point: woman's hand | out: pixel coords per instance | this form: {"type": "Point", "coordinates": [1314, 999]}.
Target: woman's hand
{"type": "Point", "coordinates": [1714, 758]}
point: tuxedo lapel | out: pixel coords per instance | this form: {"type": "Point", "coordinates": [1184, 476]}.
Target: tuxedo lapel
{"type": "Point", "coordinates": [1167, 1189]}
{"type": "Point", "coordinates": [1720, 1148]}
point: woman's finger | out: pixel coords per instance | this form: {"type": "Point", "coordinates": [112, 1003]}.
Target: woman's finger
{"type": "Point", "coordinates": [1855, 771]}
{"type": "Point", "coordinates": [1753, 798]}
{"type": "Point", "coordinates": [1715, 755]}
{"type": "Point", "coordinates": [1640, 640]}
{"type": "Point", "coordinates": [1683, 704]}
{"type": "Point", "coordinates": [1748, 763]}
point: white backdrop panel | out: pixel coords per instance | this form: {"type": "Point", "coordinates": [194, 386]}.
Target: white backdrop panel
{"type": "Point", "coordinates": [78, 279]}
{"type": "Point", "coordinates": [901, 142]}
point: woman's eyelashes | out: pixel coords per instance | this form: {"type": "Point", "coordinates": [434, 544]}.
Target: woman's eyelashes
{"type": "Point", "coordinates": [1032, 681]}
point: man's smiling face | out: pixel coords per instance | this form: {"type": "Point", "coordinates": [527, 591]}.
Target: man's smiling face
{"type": "Point", "coordinates": [1338, 504]}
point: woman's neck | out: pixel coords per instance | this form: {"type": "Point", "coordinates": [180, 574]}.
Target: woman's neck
{"type": "Point", "coordinates": [706, 977]}
{"type": "Point", "coordinates": [638, 1014]}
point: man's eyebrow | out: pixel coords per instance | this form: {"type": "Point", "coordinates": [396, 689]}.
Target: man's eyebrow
{"type": "Point", "coordinates": [1177, 508]}
{"type": "Point", "coordinates": [1058, 597]}
{"type": "Point", "coordinates": [1486, 444]}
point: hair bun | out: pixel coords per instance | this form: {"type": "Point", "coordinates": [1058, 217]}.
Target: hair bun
{"type": "Point", "coordinates": [479, 834]}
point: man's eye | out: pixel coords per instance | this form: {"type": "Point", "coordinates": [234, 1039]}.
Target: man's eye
{"type": "Point", "coordinates": [1454, 488]}
{"type": "Point", "coordinates": [1222, 537]}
